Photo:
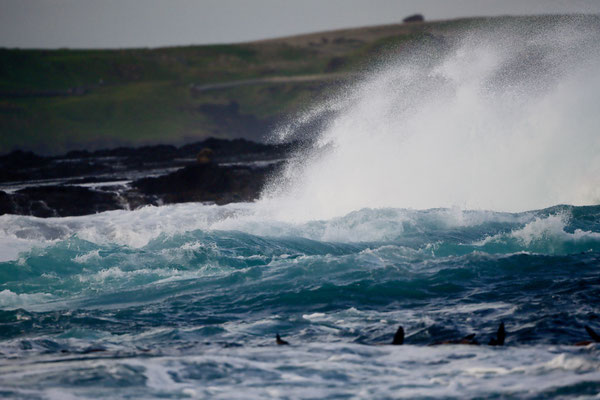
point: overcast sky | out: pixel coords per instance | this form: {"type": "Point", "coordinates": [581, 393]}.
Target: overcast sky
{"type": "Point", "coordinates": [153, 23]}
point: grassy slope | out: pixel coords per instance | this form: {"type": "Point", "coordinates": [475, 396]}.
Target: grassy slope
{"type": "Point", "coordinates": [142, 96]}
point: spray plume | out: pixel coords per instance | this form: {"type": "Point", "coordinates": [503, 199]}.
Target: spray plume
{"type": "Point", "coordinates": [503, 118]}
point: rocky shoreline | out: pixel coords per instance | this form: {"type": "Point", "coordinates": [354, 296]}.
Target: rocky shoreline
{"type": "Point", "coordinates": [81, 182]}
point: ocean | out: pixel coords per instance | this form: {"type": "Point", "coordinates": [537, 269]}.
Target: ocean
{"type": "Point", "coordinates": [185, 301]}
{"type": "Point", "coordinates": [448, 191]}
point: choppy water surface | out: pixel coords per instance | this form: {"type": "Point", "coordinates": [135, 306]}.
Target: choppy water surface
{"type": "Point", "coordinates": [155, 303]}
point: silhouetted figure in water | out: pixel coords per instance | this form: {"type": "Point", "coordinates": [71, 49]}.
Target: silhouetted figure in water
{"type": "Point", "coordinates": [280, 341]}
{"type": "Point", "coordinates": [592, 334]}
{"type": "Point", "coordinates": [595, 337]}
{"type": "Point", "coordinates": [500, 336]}
{"type": "Point", "coordinates": [399, 336]}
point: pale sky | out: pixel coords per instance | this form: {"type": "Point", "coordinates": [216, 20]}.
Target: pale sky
{"type": "Point", "coordinates": [153, 23]}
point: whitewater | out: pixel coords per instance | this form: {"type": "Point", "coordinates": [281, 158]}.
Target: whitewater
{"type": "Point", "coordinates": [452, 187]}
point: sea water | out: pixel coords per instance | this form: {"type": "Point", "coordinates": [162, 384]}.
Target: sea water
{"type": "Point", "coordinates": [451, 189]}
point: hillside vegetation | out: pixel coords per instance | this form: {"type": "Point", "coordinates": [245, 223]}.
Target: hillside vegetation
{"type": "Point", "coordinates": [52, 101]}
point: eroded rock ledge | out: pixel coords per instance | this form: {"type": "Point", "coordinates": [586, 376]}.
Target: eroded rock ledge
{"type": "Point", "coordinates": [81, 183]}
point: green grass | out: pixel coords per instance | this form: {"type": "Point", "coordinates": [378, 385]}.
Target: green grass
{"type": "Point", "coordinates": [141, 96]}
{"type": "Point", "coordinates": [138, 96]}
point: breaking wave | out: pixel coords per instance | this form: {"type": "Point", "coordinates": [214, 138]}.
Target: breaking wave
{"type": "Point", "coordinates": [502, 119]}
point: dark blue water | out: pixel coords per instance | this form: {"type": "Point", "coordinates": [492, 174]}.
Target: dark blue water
{"type": "Point", "coordinates": [185, 301]}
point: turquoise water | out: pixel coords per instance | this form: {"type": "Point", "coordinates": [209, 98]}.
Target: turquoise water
{"type": "Point", "coordinates": [156, 304]}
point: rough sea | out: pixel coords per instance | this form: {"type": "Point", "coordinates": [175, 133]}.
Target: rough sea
{"type": "Point", "coordinates": [381, 219]}
{"type": "Point", "coordinates": [185, 301]}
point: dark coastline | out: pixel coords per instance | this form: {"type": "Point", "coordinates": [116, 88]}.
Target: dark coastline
{"type": "Point", "coordinates": [82, 182]}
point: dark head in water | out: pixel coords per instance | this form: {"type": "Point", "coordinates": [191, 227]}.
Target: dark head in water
{"type": "Point", "coordinates": [399, 336]}
{"type": "Point", "coordinates": [280, 341]}
{"type": "Point", "coordinates": [500, 336]}
{"type": "Point", "coordinates": [595, 337]}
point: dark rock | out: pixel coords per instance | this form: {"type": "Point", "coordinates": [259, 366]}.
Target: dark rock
{"type": "Point", "coordinates": [32, 167]}
{"type": "Point", "coordinates": [60, 201]}
{"type": "Point", "coordinates": [214, 170]}
{"type": "Point", "coordinates": [206, 183]}
{"type": "Point", "coordinates": [205, 156]}
{"type": "Point", "coordinates": [235, 150]}
{"type": "Point", "coordinates": [157, 153]}
{"type": "Point", "coordinates": [7, 206]}
{"type": "Point", "coordinates": [78, 154]}
{"type": "Point", "coordinates": [23, 159]}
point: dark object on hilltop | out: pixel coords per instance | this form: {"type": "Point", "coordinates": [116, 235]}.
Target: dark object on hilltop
{"type": "Point", "coordinates": [399, 336]}
{"type": "Point", "coordinates": [414, 18]}
{"type": "Point", "coordinates": [280, 341]}
{"type": "Point", "coordinates": [500, 336]}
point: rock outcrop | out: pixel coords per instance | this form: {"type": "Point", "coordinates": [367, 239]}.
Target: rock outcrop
{"type": "Point", "coordinates": [80, 183]}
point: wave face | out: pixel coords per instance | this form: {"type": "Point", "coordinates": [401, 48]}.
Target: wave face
{"type": "Point", "coordinates": [378, 221]}
{"type": "Point", "coordinates": [503, 119]}
{"type": "Point", "coordinates": [184, 301]}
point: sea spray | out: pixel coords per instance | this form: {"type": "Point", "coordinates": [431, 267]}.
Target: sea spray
{"type": "Point", "coordinates": [503, 119]}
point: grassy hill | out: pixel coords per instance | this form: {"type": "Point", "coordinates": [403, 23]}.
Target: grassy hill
{"type": "Point", "coordinates": [52, 101]}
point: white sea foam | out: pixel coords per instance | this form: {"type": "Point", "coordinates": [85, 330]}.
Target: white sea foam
{"type": "Point", "coordinates": [10, 300]}
{"type": "Point", "coordinates": [550, 230]}
{"type": "Point", "coordinates": [128, 228]}
{"type": "Point", "coordinates": [93, 255]}
{"type": "Point", "coordinates": [138, 228]}
{"type": "Point", "coordinates": [149, 226]}
{"type": "Point", "coordinates": [320, 370]}
{"type": "Point", "coordinates": [553, 227]}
